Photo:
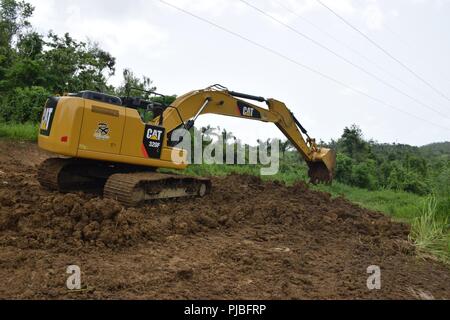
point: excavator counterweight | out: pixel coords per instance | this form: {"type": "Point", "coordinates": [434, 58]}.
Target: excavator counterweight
{"type": "Point", "coordinates": [108, 144]}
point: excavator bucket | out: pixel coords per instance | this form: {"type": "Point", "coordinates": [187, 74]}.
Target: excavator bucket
{"type": "Point", "coordinates": [321, 169]}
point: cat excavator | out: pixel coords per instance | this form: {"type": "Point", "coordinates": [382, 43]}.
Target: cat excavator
{"type": "Point", "coordinates": [104, 142]}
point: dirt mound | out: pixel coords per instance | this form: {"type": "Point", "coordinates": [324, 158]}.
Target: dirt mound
{"type": "Point", "coordinates": [248, 239]}
{"type": "Point", "coordinates": [33, 218]}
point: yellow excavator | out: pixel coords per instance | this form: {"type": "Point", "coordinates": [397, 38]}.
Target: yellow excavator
{"type": "Point", "coordinates": [108, 145]}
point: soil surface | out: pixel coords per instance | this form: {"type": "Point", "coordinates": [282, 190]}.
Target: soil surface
{"type": "Point", "coordinates": [247, 240]}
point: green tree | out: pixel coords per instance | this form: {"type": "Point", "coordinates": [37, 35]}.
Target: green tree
{"type": "Point", "coordinates": [362, 175]}
{"type": "Point", "coordinates": [396, 177]}
{"type": "Point", "coordinates": [413, 183]}
{"type": "Point", "coordinates": [32, 66]}
{"type": "Point", "coordinates": [344, 166]}
{"type": "Point", "coordinates": [385, 172]}
{"type": "Point", "coordinates": [27, 69]}
{"type": "Point", "coordinates": [24, 104]}
{"type": "Point", "coordinates": [74, 66]}
{"type": "Point", "coordinates": [14, 23]}
{"type": "Point", "coordinates": [14, 17]}
{"type": "Point", "coordinates": [352, 144]}
{"type": "Point", "coordinates": [131, 81]}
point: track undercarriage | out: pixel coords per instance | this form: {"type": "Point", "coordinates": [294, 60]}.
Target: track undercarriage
{"type": "Point", "coordinates": [130, 185]}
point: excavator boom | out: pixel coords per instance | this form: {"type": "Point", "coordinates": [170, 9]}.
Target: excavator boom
{"type": "Point", "coordinates": [221, 101]}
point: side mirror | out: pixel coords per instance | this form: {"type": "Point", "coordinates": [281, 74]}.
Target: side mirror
{"type": "Point", "coordinates": [189, 125]}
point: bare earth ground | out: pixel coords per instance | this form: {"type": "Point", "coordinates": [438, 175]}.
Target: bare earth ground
{"type": "Point", "coordinates": [247, 240]}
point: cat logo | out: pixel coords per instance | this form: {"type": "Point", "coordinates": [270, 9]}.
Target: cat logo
{"type": "Point", "coordinates": [153, 134]}
{"type": "Point", "coordinates": [102, 132]}
{"type": "Point", "coordinates": [247, 111]}
{"type": "Point", "coordinates": [48, 115]}
{"type": "Point", "coordinates": [153, 141]}
{"type": "Point", "coordinates": [48, 112]}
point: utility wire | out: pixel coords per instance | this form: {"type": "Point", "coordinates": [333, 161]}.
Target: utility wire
{"type": "Point", "coordinates": [372, 75]}
{"type": "Point", "coordinates": [410, 46]}
{"type": "Point", "coordinates": [281, 55]}
{"type": "Point", "coordinates": [348, 47]}
{"type": "Point", "coordinates": [384, 51]}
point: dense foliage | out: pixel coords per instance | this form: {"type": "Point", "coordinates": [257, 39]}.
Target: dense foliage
{"type": "Point", "coordinates": [372, 165]}
{"type": "Point", "coordinates": [375, 166]}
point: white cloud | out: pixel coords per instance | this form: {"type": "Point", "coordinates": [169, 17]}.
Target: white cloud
{"type": "Point", "coordinates": [211, 7]}
{"type": "Point", "coordinates": [115, 34]}
{"type": "Point", "coordinates": [43, 11]}
{"type": "Point", "coordinates": [342, 6]}
{"type": "Point", "coordinates": [138, 36]}
{"type": "Point", "coordinates": [374, 17]}
{"type": "Point", "coordinates": [394, 13]}
{"type": "Point", "coordinates": [288, 10]}
{"type": "Point", "coordinates": [433, 2]}
{"type": "Point", "coordinates": [129, 36]}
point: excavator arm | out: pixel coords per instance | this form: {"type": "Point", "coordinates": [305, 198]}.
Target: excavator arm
{"type": "Point", "coordinates": [185, 110]}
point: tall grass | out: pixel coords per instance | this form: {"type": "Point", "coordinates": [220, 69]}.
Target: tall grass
{"type": "Point", "coordinates": [400, 205]}
{"type": "Point", "coordinates": [19, 131]}
{"type": "Point", "coordinates": [429, 232]}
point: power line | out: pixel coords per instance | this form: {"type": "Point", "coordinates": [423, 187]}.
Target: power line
{"type": "Point", "coordinates": [343, 58]}
{"type": "Point", "coordinates": [408, 44]}
{"type": "Point", "coordinates": [281, 55]}
{"type": "Point", "coordinates": [348, 47]}
{"type": "Point", "coordinates": [384, 51]}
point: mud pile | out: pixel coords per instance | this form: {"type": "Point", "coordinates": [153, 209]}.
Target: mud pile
{"type": "Point", "coordinates": [33, 218]}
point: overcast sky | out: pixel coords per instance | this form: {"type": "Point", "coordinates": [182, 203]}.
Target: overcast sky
{"type": "Point", "coordinates": [180, 53]}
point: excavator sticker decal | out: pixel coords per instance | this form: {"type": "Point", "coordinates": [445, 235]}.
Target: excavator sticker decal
{"type": "Point", "coordinates": [102, 132]}
{"type": "Point", "coordinates": [153, 141]}
{"type": "Point", "coordinates": [247, 110]}
{"type": "Point", "coordinates": [48, 115]}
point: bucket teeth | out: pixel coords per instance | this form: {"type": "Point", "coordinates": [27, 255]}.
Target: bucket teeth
{"type": "Point", "coordinates": [319, 173]}
{"type": "Point", "coordinates": [322, 167]}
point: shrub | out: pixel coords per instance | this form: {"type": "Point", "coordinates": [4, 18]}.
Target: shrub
{"type": "Point", "coordinates": [343, 168]}
{"type": "Point", "coordinates": [23, 105]}
{"type": "Point", "coordinates": [442, 185]}
{"type": "Point", "coordinates": [362, 176]}
{"type": "Point", "coordinates": [413, 183]}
